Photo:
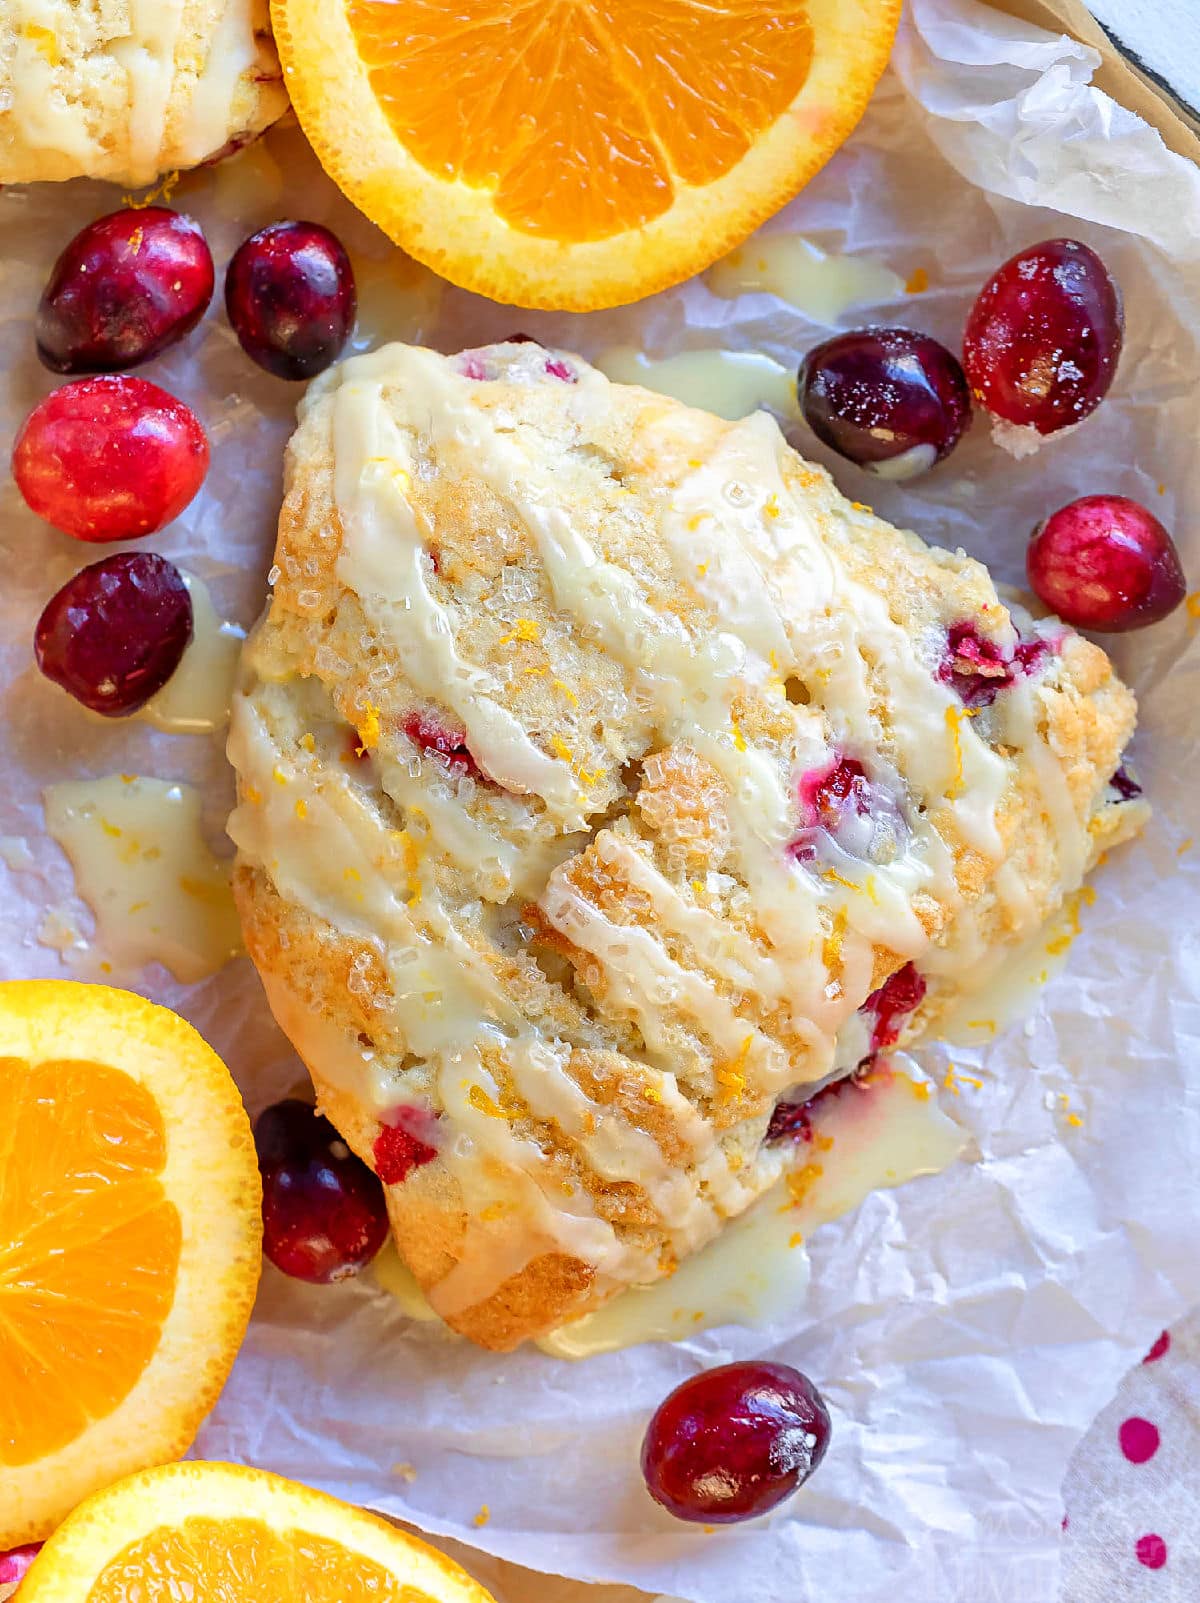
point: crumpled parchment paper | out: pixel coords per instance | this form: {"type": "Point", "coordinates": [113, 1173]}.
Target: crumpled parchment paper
{"type": "Point", "coordinates": [965, 1329]}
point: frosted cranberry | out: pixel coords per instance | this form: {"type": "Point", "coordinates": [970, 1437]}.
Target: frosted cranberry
{"type": "Point", "coordinates": [448, 746]}
{"type": "Point", "coordinates": [1044, 336]}
{"type": "Point", "coordinates": [324, 1216]}
{"type": "Point", "coordinates": [891, 400]}
{"type": "Point", "coordinates": [115, 633]}
{"type": "Point", "coordinates": [127, 286]}
{"type": "Point", "coordinates": [978, 668]}
{"type": "Point", "coordinates": [400, 1146]}
{"type": "Point", "coordinates": [290, 296]}
{"type": "Point", "coordinates": [110, 458]}
{"type": "Point", "coordinates": [900, 995]}
{"type": "Point", "coordinates": [1105, 563]}
{"type": "Point", "coordinates": [734, 1441]}
{"type": "Point", "coordinates": [15, 1564]}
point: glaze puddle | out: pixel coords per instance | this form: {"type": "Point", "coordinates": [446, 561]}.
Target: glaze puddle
{"type": "Point", "coordinates": [141, 864]}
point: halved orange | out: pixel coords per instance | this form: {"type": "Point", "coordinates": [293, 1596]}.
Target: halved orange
{"type": "Point", "coordinates": [223, 1534]}
{"type": "Point", "coordinates": [130, 1232]}
{"type": "Point", "coordinates": [577, 153]}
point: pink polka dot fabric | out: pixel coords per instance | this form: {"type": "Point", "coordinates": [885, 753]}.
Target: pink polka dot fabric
{"type": "Point", "coordinates": [1131, 1533]}
{"type": "Point", "coordinates": [1139, 1439]}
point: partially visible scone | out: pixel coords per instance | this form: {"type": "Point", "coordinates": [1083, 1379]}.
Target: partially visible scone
{"type": "Point", "coordinates": [130, 89]}
{"type": "Point", "coordinates": [606, 780]}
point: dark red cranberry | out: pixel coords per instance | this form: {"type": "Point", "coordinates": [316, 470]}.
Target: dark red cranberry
{"type": "Point", "coordinates": [891, 400]}
{"type": "Point", "coordinates": [790, 1121]}
{"type": "Point", "coordinates": [447, 745]}
{"type": "Point", "coordinates": [291, 298]}
{"type": "Point", "coordinates": [1125, 785]}
{"type": "Point", "coordinates": [110, 458]}
{"type": "Point", "coordinates": [115, 633]}
{"type": "Point", "coordinates": [900, 995]}
{"type": "Point", "coordinates": [793, 1120]}
{"type": "Point", "coordinates": [127, 286]}
{"type": "Point", "coordinates": [978, 668]}
{"type": "Point", "coordinates": [16, 1563]}
{"type": "Point", "coordinates": [734, 1441]}
{"type": "Point", "coordinates": [1105, 563]}
{"type": "Point", "coordinates": [324, 1215]}
{"type": "Point", "coordinates": [1044, 337]}
{"type": "Point", "coordinates": [400, 1147]}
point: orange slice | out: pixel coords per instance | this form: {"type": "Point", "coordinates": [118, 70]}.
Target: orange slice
{"type": "Point", "coordinates": [223, 1534]}
{"type": "Point", "coordinates": [577, 153]}
{"type": "Point", "coordinates": [130, 1234]}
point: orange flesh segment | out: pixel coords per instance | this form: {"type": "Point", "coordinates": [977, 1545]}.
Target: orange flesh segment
{"type": "Point", "coordinates": [89, 1248]}
{"type": "Point", "coordinates": [581, 116]}
{"type": "Point", "coordinates": [245, 1561]}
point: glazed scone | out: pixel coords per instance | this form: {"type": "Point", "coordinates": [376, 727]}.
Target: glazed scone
{"type": "Point", "coordinates": [128, 90]}
{"type": "Point", "coordinates": [606, 779]}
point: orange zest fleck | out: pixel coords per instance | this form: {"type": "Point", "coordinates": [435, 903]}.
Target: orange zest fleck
{"type": "Point", "coordinates": [523, 629]}
{"type": "Point", "coordinates": [731, 1076]}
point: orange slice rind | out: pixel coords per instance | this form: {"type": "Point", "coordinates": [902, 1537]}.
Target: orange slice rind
{"type": "Point", "coordinates": [226, 1534]}
{"type": "Point", "coordinates": [577, 153]}
{"type": "Point", "coordinates": [130, 1235]}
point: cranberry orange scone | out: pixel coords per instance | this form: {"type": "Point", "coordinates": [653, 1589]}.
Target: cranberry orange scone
{"type": "Point", "coordinates": [129, 89]}
{"type": "Point", "coordinates": [606, 780]}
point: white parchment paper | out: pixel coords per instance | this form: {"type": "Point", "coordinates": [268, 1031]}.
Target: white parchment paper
{"type": "Point", "coordinates": [966, 1329]}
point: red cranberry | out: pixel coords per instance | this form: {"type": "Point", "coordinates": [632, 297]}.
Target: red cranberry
{"type": "Point", "coordinates": [291, 298]}
{"type": "Point", "coordinates": [734, 1441]}
{"type": "Point", "coordinates": [841, 802]}
{"type": "Point", "coordinates": [825, 794]}
{"type": "Point", "coordinates": [115, 633]}
{"type": "Point", "coordinates": [324, 1217]}
{"type": "Point", "coordinates": [793, 1120]}
{"type": "Point", "coordinates": [1104, 562]}
{"type": "Point", "coordinates": [448, 746]}
{"type": "Point", "coordinates": [110, 458]}
{"type": "Point", "coordinates": [790, 1121]}
{"type": "Point", "coordinates": [1125, 785]}
{"type": "Point", "coordinates": [900, 994]}
{"type": "Point", "coordinates": [15, 1565]}
{"type": "Point", "coordinates": [977, 667]}
{"type": "Point", "coordinates": [1044, 336]}
{"type": "Point", "coordinates": [399, 1148]}
{"type": "Point", "coordinates": [126, 287]}
{"type": "Point", "coordinates": [888, 399]}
